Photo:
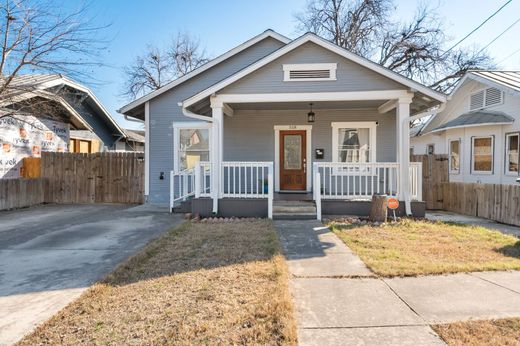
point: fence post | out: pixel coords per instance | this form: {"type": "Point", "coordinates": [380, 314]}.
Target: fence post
{"type": "Point", "coordinates": [172, 190]}
{"type": "Point", "coordinates": [317, 194]}
{"type": "Point", "coordinates": [197, 180]}
{"type": "Point", "coordinates": [270, 190]}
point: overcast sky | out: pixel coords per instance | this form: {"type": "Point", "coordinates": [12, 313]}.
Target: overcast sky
{"type": "Point", "coordinates": [222, 25]}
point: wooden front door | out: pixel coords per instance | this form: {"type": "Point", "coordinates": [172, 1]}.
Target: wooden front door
{"type": "Point", "coordinates": [293, 165]}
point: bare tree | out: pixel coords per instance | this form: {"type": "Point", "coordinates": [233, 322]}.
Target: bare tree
{"type": "Point", "coordinates": [157, 67]}
{"type": "Point", "coordinates": [415, 48]}
{"type": "Point", "coordinates": [38, 37]}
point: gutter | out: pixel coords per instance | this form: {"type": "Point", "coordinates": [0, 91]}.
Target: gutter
{"type": "Point", "coordinates": [192, 115]}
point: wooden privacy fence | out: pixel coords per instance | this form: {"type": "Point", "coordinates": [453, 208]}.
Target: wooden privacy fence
{"type": "Point", "coordinates": [491, 201]}
{"type": "Point", "coordinates": [77, 178]}
{"type": "Point", "coordinates": [435, 173]}
{"type": "Point", "coordinates": [21, 193]}
{"type": "Point", "coordinates": [93, 178]}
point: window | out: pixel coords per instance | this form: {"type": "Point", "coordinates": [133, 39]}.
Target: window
{"type": "Point", "coordinates": [430, 150]}
{"type": "Point", "coordinates": [191, 145]}
{"type": "Point", "coordinates": [455, 156]}
{"type": "Point", "coordinates": [354, 142]}
{"type": "Point", "coordinates": [512, 153]}
{"type": "Point", "coordinates": [485, 98]}
{"type": "Point", "coordinates": [309, 72]}
{"type": "Point", "coordinates": [482, 152]}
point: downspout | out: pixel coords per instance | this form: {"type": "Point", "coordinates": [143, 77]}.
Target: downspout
{"type": "Point", "coordinates": [192, 115]}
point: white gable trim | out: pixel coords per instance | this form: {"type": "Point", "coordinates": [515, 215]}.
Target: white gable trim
{"type": "Point", "coordinates": [210, 64]}
{"type": "Point", "coordinates": [327, 45]}
{"type": "Point", "coordinates": [482, 80]}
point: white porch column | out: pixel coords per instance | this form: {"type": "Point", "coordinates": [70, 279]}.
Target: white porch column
{"type": "Point", "coordinates": [403, 150]}
{"type": "Point", "coordinates": [217, 131]}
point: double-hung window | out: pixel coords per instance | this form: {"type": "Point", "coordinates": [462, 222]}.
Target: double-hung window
{"type": "Point", "coordinates": [191, 142]}
{"type": "Point", "coordinates": [455, 156]}
{"type": "Point", "coordinates": [512, 153]}
{"type": "Point", "coordinates": [482, 155]}
{"type": "Point", "coordinates": [354, 142]}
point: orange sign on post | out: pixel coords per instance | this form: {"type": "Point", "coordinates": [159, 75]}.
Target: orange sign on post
{"type": "Point", "coordinates": [393, 203]}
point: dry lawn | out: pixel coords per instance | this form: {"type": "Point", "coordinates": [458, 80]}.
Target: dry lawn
{"type": "Point", "coordinates": [200, 284]}
{"type": "Point", "coordinates": [421, 247]}
{"type": "Point", "coordinates": [494, 332]}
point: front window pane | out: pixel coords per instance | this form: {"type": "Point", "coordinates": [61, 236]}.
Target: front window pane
{"type": "Point", "coordinates": [193, 147]}
{"type": "Point", "coordinates": [483, 154]}
{"type": "Point", "coordinates": [353, 145]}
{"type": "Point", "coordinates": [512, 153]}
{"type": "Point", "coordinates": [292, 152]}
{"type": "Point", "coordinates": [455, 155]}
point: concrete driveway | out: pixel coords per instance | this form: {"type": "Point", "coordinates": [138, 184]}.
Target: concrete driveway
{"type": "Point", "coordinates": [50, 254]}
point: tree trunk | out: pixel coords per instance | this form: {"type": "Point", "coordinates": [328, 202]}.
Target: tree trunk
{"type": "Point", "coordinates": [379, 208]}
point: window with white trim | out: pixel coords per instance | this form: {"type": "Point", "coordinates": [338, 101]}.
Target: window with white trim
{"type": "Point", "coordinates": [485, 98]}
{"type": "Point", "coordinates": [354, 142]}
{"type": "Point", "coordinates": [309, 72]}
{"type": "Point", "coordinates": [482, 155]}
{"type": "Point", "coordinates": [191, 146]}
{"type": "Point", "coordinates": [512, 153]}
{"type": "Point", "coordinates": [455, 156]}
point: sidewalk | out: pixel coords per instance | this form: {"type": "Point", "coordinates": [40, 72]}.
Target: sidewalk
{"type": "Point", "coordinates": [339, 301]}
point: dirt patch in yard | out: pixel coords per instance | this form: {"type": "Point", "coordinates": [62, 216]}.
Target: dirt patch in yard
{"type": "Point", "coordinates": [493, 332]}
{"type": "Point", "coordinates": [222, 283]}
{"type": "Point", "coordinates": [416, 247]}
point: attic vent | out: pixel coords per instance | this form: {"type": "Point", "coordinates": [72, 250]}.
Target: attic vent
{"type": "Point", "coordinates": [485, 98]}
{"type": "Point", "coordinates": [309, 72]}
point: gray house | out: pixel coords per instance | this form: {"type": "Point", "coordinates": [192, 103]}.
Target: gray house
{"type": "Point", "coordinates": [280, 127]}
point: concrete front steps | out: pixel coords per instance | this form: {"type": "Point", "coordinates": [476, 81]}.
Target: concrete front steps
{"type": "Point", "coordinates": [294, 210]}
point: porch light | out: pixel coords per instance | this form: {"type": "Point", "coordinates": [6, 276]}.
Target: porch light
{"type": "Point", "coordinates": [311, 116]}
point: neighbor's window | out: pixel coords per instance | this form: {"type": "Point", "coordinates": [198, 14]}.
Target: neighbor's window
{"type": "Point", "coordinates": [354, 142]}
{"type": "Point", "coordinates": [193, 147]}
{"type": "Point", "coordinates": [482, 152]}
{"type": "Point", "coordinates": [455, 156]}
{"type": "Point", "coordinates": [512, 153]}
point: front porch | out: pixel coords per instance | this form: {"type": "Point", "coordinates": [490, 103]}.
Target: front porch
{"type": "Point", "coordinates": [356, 145]}
{"type": "Point", "coordinates": [248, 188]}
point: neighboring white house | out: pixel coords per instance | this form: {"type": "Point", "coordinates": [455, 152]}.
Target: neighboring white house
{"type": "Point", "coordinates": [479, 129]}
{"type": "Point", "coordinates": [298, 119]}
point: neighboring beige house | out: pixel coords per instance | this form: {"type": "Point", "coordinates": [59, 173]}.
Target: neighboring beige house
{"type": "Point", "coordinates": [479, 128]}
{"type": "Point", "coordinates": [83, 141]}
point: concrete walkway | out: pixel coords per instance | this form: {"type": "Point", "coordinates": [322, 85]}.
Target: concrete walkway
{"type": "Point", "coordinates": [447, 216]}
{"type": "Point", "coordinates": [339, 301]}
{"type": "Point", "coordinates": [51, 254]}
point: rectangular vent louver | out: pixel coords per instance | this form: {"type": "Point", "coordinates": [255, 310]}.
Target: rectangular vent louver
{"type": "Point", "coordinates": [493, 97]}
{"type": "Point", "coordinates": [477, 100]}
{"type": "Point", "coordinates": [309, 74]}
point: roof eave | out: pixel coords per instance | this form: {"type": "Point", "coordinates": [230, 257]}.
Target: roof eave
{"type": "Point", "coordinates": [143, 99]}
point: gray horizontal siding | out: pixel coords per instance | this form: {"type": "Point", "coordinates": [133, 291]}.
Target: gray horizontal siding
{"type": "Point", "coordinates": [164, 111]}
{"type": "Point", "coordinates": [249, 135]}
{"type": "Point", "coordinates": [350, 76]}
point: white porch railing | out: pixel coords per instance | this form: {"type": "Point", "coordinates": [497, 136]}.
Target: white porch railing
{"type": "Point", "coordinates": [182, 186]}
{"type": "Point", "coordinates": [340, 180]}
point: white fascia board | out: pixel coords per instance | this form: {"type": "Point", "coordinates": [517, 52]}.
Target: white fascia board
{"type": "Point", "coordinates": [208, 65]}
{"type": "Point", "coordinates": [327, 45]}
{"type": "Point", "coordinates": [483, 80]}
